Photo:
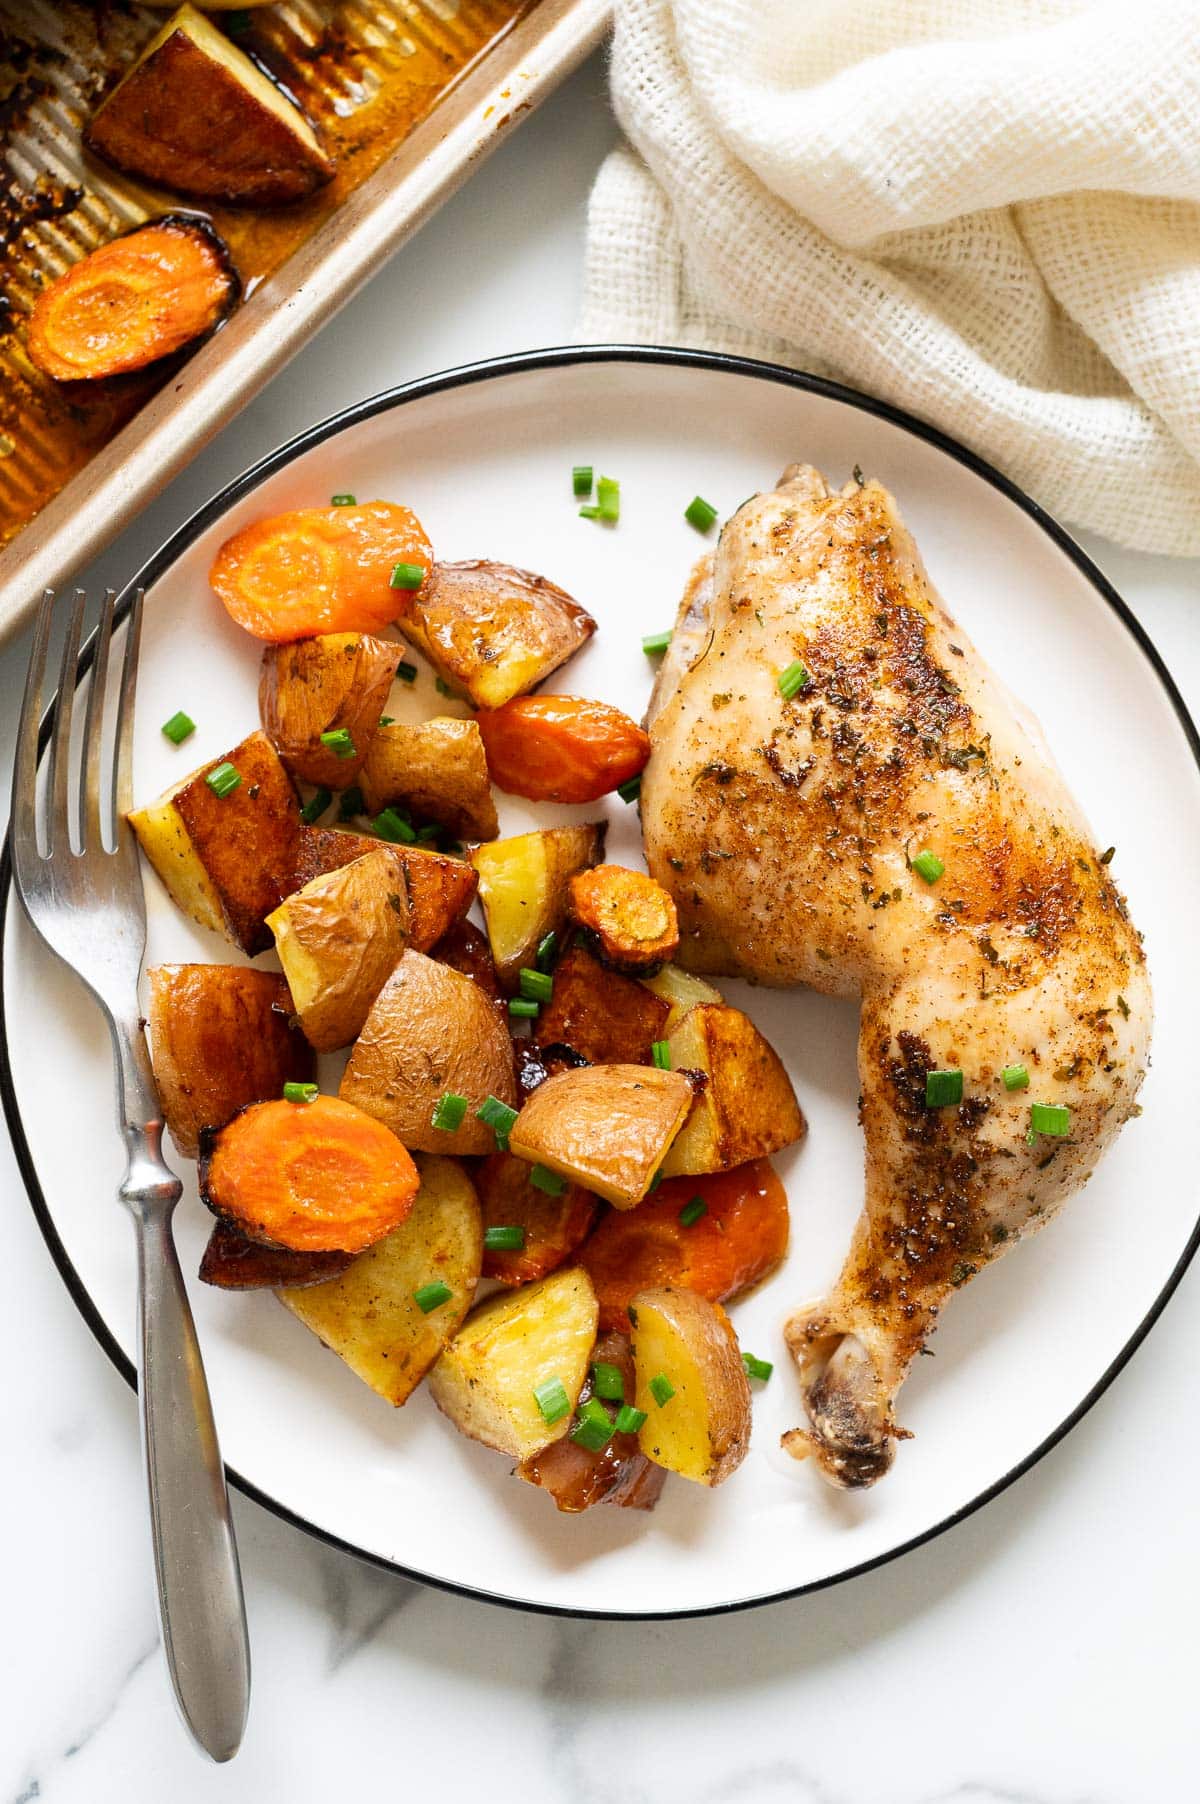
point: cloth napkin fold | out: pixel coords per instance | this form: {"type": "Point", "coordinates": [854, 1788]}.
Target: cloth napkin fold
{"type": "Point", "coordinates": [985, 211]}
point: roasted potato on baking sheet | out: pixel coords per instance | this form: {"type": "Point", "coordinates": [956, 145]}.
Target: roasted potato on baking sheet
{"type": "Point", "coordinates": [618, 1473]}
{"type": "Point", "coordinates": [231, 1261]}
{"type": "Point", "coordinates": [552, 1226]}
{"type": "Point", "coordinates": [431, 1032]}
{"type": "Point", "coordinates": [680, 991]}
{"type": "Point", "coordinates": [466, 949]}
{"type": "Point", "coordinates": [629, 916]}
{"type": "Point", "coordinates": [339, 939]}
{"type": "Point", "coordinates": [701, 1426]}
{"type": "Point", "coordinates": [369, 1316]}
{"type": "Point", "coordinates": [492, 631]}
{"type": "Point", "coordinates": [437, 769]}
{"type": "Point", "coordinates": [227, 859]}
{"type": "Point", "coordinates": [486, 1380]}
{"type": "Point", "coordinates": [220, 1037]}
{"type": "Point", "coordinates": [610, 1019]}
{"type": "Point", "coordinates": [606, 1127]}
{"type": "Point", "coordinates": [523, 888]}
{"type": "Point", "coordinates": [440, 888]}
{"type": "Point", "coordinates": [195, 114]}
{"type": "Point", "coordinates": [747, 1109]}
{"type": "Point", "coordinates": [336, 683]}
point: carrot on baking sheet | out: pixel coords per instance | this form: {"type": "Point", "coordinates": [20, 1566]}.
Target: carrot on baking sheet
{"type": "Point", "coordinates": [561, 748]}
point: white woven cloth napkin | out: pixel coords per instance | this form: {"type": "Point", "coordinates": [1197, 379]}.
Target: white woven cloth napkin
{"type": "Point", "coordinates": [985, 211]}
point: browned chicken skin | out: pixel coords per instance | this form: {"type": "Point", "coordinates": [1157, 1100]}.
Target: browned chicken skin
{"type": "Point", "coordinates": [785, 830]}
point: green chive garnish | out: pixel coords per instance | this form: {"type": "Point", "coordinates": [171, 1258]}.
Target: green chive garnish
{"type": "Point", "coordinates": [499, 1117]}
{"type": "Point", "coordinates": [654, 1183]}
{"type": "Point", "coordinates": [223, 779]}
{"type": "Point", "coordinates": [408, 576]}
{"type": "Point", "coordinates": [342, 501]}
{"type": "Point", "coordinates": [656, 642]}
{"type": "Point", "coordinates": [551, 1398]}
{"type": "Point", "coordinates": [181, 726]}
{"type": "Point", "coordinates": [629, 1419]}
{"type": "Point", "coordinates": [300, 1093]}
{"type": "Point", "coordinates": [449, 1111]}
{"type": "Point", "coordinates": [1015, 1077]}
{"type": "Point", "coordinates": [351, 803]}
{"type": "Point", "coordinates": [387, 720]}
{"type": "Point", "coordinates": [339, 742]}
{"type": "Point", "coordinates": [608, 498]}
{"type": "Point", "coordinates": [700, 513]}
{"type": "Point", "coordinates": [315, 806]}
{"type": "Point", "coordinates": [929, 866]}
{"type": "Point", "coordinates": [432, 1296]}
{"type": "Point", "coordinates": [661, 1389]}
{"type": "Point", "coordinates": [504, 1240]}
{"type": "Point", "coordinates": [522, 1008]}
{"type": "Point", "coordinates": [943, 1089]}
{"type": "Point", "coordinates": [546, 950]}
{"type": "Point", "coordinates": [394, 828]}
{"type": "Point", "coordinates": [631, 790]}
{"type": "Point", "coordinates": [608, 1383]}
{"type": "Point", "coordinates": [425, 834]}
{"type": "Point", "coordinates": [757, 1368]}
{"type": "Point", "coordinates": [542, 1178]}
{"type": "Point", "coordinates": [660, 1054]}
{"type": "Point", "coordinates": [535, 986]}
{"type": "Point", "coordinates": [1049, 1118]}
{"type": "Point", "coordinates": [406, 672]}
{"type": "Point", "coordinates": [581, 479]}
{"type": "Point", "coordinates": [594, 1430]}
{"type": "Point", "coordinates": [792, 680]}
{"type": "Point", "coordinates": [691, 1212]}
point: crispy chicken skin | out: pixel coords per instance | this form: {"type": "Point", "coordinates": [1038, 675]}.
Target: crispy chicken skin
{"type": "Point", "coordinates": [784, 830]}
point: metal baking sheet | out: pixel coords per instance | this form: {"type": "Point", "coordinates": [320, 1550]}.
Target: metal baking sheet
{"type": "Point", "coordinates": [478, 69]}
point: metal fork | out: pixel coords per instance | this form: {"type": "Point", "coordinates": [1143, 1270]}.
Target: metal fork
{"type": "Point", "coordinates": [82, 890]}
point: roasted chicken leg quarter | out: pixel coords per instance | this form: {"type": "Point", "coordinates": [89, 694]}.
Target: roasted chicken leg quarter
{"type": "Point", "coordinates": [887, 823]}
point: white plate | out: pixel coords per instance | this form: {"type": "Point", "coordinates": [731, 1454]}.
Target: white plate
{"type": "Point", "coordinates": [485, 457]}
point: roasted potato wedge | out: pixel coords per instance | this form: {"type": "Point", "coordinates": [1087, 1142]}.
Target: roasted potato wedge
{"type": "Point", "coordinates": [232, 1261]}
{"type": "Point", "coordinates": [227, 860]}
{"type": "Point", "coordinates": [629, 916]}
{"type": "Point", "coordinates": [368, 1316]}
{"type": "Point", "coordinates": [196, 115]}
{"type": "Point", "coordinates": [610, 1019]}
{"type": "Point", "coordinates": [220, 1037]}
{"type": "Point", "coordinates": [487, 1378]}
{"type": "Point", "coordinates": [523, 886]}
{"type": "Point", "coordinates": [619, 1473]}
{"type": "Point", "coordinates": [491, 631]}
{"type": "Point", "coordinates": [337, 682]}
{"type": "Point", "coordinates": [606, 1127]}
{"type": "Point", "coordinates": [339, 939]}
{"type": "Point", "coordinates": [430, 1031]}
{"type": "Point", "coordinates": [680, 991]}
{"type": "Point", "coordinates": [553, 1226]}
{"type": "Point", "coordinates": [437, 769]}
{"type": "Point", "coordinates": [748, 1108]}
{"type": "Point", "coordinates": [701, 1430]}
{"type": "Point", "coordinates": [466, 949]}
{"type": "Point", "coordinates": [440, 888]}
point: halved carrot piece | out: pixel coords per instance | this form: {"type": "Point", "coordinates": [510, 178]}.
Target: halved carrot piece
{"type": "Point", "coordinates": [553, 1226]}
{"type": "Point", "coordinates": [136, 299]}
{"type": "Point", "coordinates": [740, 1236]}
{"type": "Point", "coordinates": [632, 916]}
{"type": "Point", "coordinates": [315, 1177]}
{"type": "Point", "coordinates": [321, 570]}
{"type": "Point", "coordinates": [561, 748]}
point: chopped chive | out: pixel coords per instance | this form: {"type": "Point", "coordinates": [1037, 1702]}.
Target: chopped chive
{"type": "Point", "coordinates": [504, 1240]}
{"type": "Point", "coordinates": [387, 720]}
{"type": "Point", "coordinates": [499, 1117]}
{"type": "Point", "coordinates": [300, 1093]}
{"type": "Point", "coordinates": [339, 742]}
{"type": "Point", "coordinates": [656, 642]}
{"type": "Point", "coordinates": [342, 501]}
{"type": "Point", "coordinates": [792, 680]}
{"type": "Point", "coordinates": [522, 1008]}
{"type": "Point", "coordinates": [315, 806]}
{"type": "Point", "coordinates": [700, 513]}
{"type": "Point", "coordinates": [535, 986]}
{"type": "Point", "coordinates": [589, 513]}
{"type": "Point", "coordinates": [654, 1183]}
{"type": "Point", "coordinates": [449, 1111]}
{"type": "Point", "coordinates": [407, 576]}
{"type": "Point", "coordinates": [757, 1368]}
{"type": "Point", "coordinates": [660, 1054]}
{"type": "Point", "coordinates": [393, 827]}
{"type": "Point", "coordinates": [432, 1296]}
{"type": "Point", "coordinates": [551, 1398]}
{"type": "Point", "coordinates": [581, 479]}
{"type": "Point", "coordinates": [425, 834]}
{"type": "Point", "coordinates": [181, 726]}
{"type": "Point", "coordinates": [351, 803]}
{"type": "Point", "coordinates": [929, 866]}
{"type": "Point", "coordinates": [594, 1430]}
{"type": "Point", "coordinates": [629, 1419]}
{"type": "Point", "coordinates": [223, 779]}
{"type": "Point", "coordinates": [661, 1389]}
{"type": "Point", "coordinates": [943, 1089]}
{"type": "Point", "coordinates": [607, 1382]}
{"type": "Point", "coordinates": [1049, 1118]}
{"type": "Point", "coordinates": [691, 1212]}
{"type": "Point", "coordinates": [608, 499]}
{"type": "Point", "coordinates": [546, 950]}
{"type": "Point", "coordinates": [630, 790]}
{"type": "Point", "coordinates": [1016, 1077]}
{"type": "Point", "coordinates": [549, 1182]}
{"type": "Point", "coordinates": [406, 672]}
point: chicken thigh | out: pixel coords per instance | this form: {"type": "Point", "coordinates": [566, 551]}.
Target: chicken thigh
{"type": "Point", "coordinates": [792, 833]}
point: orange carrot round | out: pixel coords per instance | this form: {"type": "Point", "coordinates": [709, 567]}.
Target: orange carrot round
{"type": "Point", "coordinates": [739, 1238]}
{"type": "Point", "coordinates": [553, 1225]}
{"type": "Point", "coordinates": [321, 570]}
{"type": "Point", "coordinates": [315, 1177]}
{"type": "Point", "coordinates": [632, 916]}
{"type": "Point", "coordinates": [561, 748]}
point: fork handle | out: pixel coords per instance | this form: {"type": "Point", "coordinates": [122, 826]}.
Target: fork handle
{"type": "Point", "coordinates": [200, 1602]}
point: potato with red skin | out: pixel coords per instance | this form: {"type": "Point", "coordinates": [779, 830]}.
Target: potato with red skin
{"type": "Point", "coordinates": [553, 1225]}
{"type": "Point", "coordinates": [606, 1127]}
{"type": "Point", "coordinates": [609, 1019]}
{"type": "Point", "coordinates": [337, 682]}
{"type": "Point", "coordinates": [440, 888]}
{"type": "Point", "coordinates": [561, 748]}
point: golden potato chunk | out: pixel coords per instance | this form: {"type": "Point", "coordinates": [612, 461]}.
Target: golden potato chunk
{"type": "Point", "coordinates": [691, 1383]}
{"type": "Point", "coordinates": [609, 1019]}
{"type": "Point", "coordinates": [339, 939]}
{"type": "Point", "coordinates": [440, 888]}
{"type": "Point", "coordinates": [746, 1110]}
{"type": "Point", "coordinates": [680, 991]}
{"type": "Point", "coordinates": [606, 1127]}
{"type": "Point", "coordinates": [491, 631]}
{"type": "Point", "coordinates": [437, 769]}
{"type": "Point", "coordinates": [336, 684]}
{"type": "Point", "coordinates": [524, 888]}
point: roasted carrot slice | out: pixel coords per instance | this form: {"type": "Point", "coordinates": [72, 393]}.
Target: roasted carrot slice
{"type": "Point", "coordinates": [136, 299]}
{"type": "Point", "coordinates": [741, 1235]}
{"type": "Point", "coordinates": [632, 916]}
{"type": "Point", "coordinates": [553, 1226]}
{"type": "Point", "coordinates": [316, 1177]}
{"type": "Point", "coordinates": [321, 570]}
{"type": "Point", "coordinates": [232, 1262]}
{"type": "Point", "coordinates": [561, 748]}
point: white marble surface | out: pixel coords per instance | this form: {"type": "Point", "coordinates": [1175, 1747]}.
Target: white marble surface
{"type": "Point", "coordinates": [1043, 1651]}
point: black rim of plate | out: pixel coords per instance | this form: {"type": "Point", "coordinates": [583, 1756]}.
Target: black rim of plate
{"type": "Point", "coordinates": [493, 369]}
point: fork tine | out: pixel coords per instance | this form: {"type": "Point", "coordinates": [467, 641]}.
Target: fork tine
{"type": "Point", "coordinates": [91, 824]}
{"type": "Point", "coordinates": [122, 791]}
{"type": "Point", "coordinates": [24, 790]}
{"type": "Point", "coordinates": [58, 832]}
